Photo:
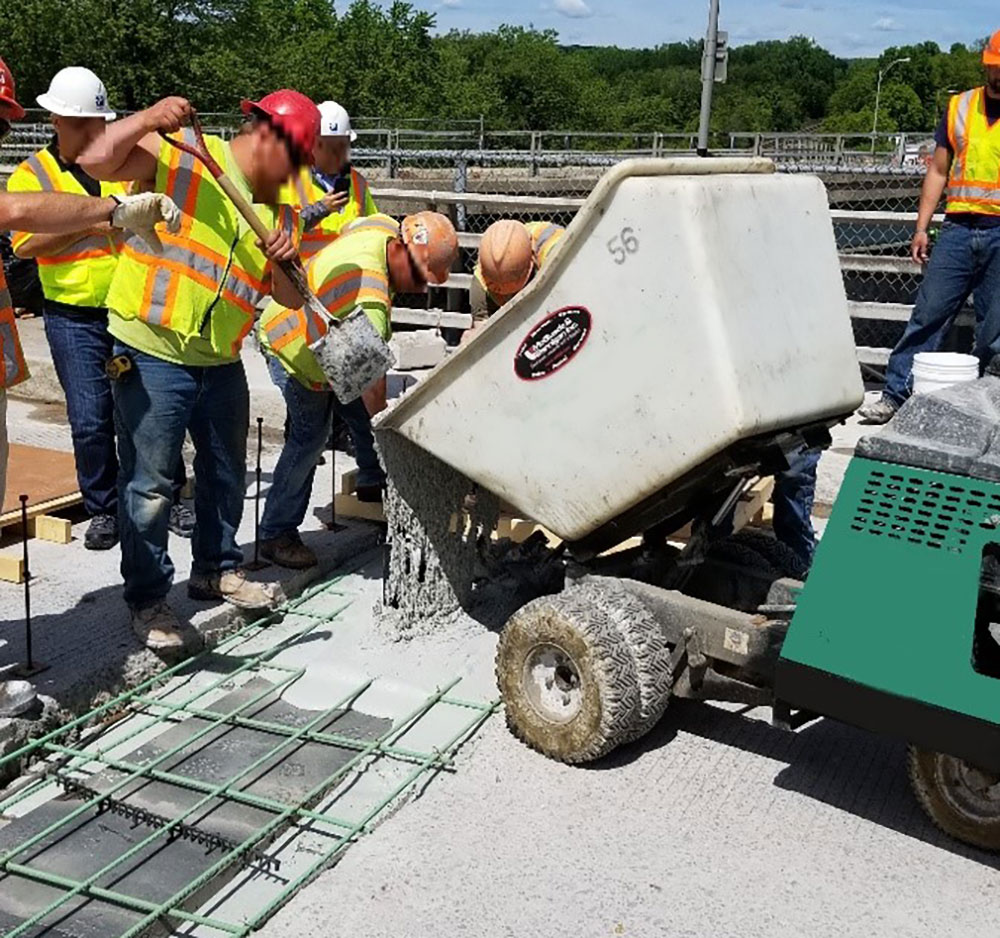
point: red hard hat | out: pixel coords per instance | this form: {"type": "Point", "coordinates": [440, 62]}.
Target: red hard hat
{"type": "Point", "coordinates": [9, 108]}
{"type": "Point", "coordinates": [293, 114]}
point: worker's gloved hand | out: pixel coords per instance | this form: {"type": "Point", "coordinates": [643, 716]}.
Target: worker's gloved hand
{"type": "Point", "coordinates": [139, 213]}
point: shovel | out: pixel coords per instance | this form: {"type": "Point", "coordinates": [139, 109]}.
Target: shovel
{"type": "Point", "coordinates": [351, 354]}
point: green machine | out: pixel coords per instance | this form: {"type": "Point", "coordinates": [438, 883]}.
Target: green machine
{"type": "Point", "coordinates": [895, 630]}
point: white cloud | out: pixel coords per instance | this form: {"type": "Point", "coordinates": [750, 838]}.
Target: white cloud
{"type": "Point", "coordinates": [885, 24]}
{"type": "Point", "coordinates": [577, 9]}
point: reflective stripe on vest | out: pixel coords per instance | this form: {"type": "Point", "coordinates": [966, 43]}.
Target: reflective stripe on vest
{"type": "Point", "coordinates": [80, 274]}
{"type": "Point", "coordinates": [974, 181]}
{"type": "Point", "coordinates": [11, 355]}
{"type": "Point", "coordinates": [544, 237]}
{"type": "Point", "coordinates": [210, 277]}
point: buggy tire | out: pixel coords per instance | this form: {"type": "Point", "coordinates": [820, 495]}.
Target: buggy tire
{"type": "Point", "coordinates": [960, 800]}
{"type": "Point", "coordinates": [646, 643]}
{"type": "Point", "coordinates": [567, 678]}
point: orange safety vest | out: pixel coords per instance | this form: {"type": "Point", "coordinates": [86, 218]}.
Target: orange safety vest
{"type": "Point", "coordinates": [974, 182]}
{"type": "Point", "coordinates": [327, 230]}
{"type": "Point", "coordinates": [81, 274]}
{"type": "Point", "coordinates": [211, 275]}
{"type": "Point", "coordinates": [14, 370]}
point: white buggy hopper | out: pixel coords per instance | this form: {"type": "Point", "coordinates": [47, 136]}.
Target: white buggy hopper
{"type": "Point", "coordinates": [693, 304]}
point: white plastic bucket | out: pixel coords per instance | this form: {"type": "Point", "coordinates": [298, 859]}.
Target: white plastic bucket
{"type": "Point", "coordinates": [933, 371]}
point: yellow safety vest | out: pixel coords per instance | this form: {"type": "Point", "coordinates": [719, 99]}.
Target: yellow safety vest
{"type": "Point", "coordinates": [350, 272]}
{"type": "Point", "coordinates": [211, 275]}
{"type": "Point", "coordinates": [81, 273]}
{"type": "Point", "coordinates": [14, 370]}
{"type": "Point", "coordinates": [544, 237]}
{"type": "Point", "coordinates": [974, 183]}
{"type": "Point", "coordinates": [304, 190]}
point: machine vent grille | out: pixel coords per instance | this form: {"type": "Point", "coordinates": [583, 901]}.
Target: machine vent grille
{"type": "Point", "coordinates": [924, 512]}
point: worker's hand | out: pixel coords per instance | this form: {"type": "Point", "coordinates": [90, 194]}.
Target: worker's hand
{"type": "Point", "coordinates": [168, 114]}
{"type": "Point", "coordinates": [139, 213]}
{"type": "Point", "coordinates": [335, 201]}
{"type": "Point", "coordinates": [919, 247]}
{"type": "Point", "coordinates": [279, 247]}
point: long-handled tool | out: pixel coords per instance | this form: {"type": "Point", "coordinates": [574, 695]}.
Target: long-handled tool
{"type": "Point", "coordinates": [352, 355]}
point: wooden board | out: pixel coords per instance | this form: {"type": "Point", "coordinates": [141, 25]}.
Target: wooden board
{"type": "Point", "coordinates": [46, 476]}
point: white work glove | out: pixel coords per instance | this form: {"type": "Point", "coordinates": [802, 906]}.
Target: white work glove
{"type": "Point", "coordinates": [139, 213]}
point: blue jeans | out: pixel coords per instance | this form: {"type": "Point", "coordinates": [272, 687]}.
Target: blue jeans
{"type": "Point", "coordinates": [794, 492]}
{"type": "Point", "coordinates": [155, 403]}
{"type": "Point", "coordinates": [310, 414]}
{"type": "Point", "coordinates": [81, 346]}
{"type": "Point", "coordinates": [964, 261]}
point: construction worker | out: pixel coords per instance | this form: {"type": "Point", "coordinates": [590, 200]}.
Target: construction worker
{"type": "Point", "coordinates": [510, 254]}
{"type": "Point", "coordinates": [331, 193]}
{"type": "Point", "coordinates": [52, 213]}
{"type": "Point", "coordinates": [179, 322]}
{"type": "Point", "coordinates": [75, 271]}
{"type": "Point", "coordinates": [966, 257]}
{"type": "Point", "coordinates": [373, 259]}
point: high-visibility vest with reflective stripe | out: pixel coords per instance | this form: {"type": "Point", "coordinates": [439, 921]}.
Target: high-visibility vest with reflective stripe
{"type": "Point", "coordinates": [304, 190]}
{"type": "Point", "coordinates": [974, 183]}
{"type": "Point", "coordinates": [350, 272]}
{"type": "Point", "coordinates": [80, 274]}
{"type": "Point", "coordinates": [544, 237]}
{"type": "Point", "coordinates": [11, 356]}
{"type": "Point", "coordinates": [211, 275]}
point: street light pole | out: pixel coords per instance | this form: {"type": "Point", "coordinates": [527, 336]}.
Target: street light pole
{"type": "Point", "coordinates": [708, 64]}
{"type": "Point", "coordinates": [878, 95]}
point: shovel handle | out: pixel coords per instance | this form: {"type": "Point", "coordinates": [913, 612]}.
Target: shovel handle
{"type": "Point", "coordinates": [292, 269]}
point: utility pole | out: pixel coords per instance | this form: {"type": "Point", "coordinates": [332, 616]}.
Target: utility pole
{"type": "Point", "coordinates": [708, 64]}
{"type": "Point", "coordinates": [878, 95]}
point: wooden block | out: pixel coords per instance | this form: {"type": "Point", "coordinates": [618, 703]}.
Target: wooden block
{"type": "Point", "coordinates": [348, 506]}
{"type": "Point", "coordinates": [48, 528]}
{"type": "Point", "coordinates": [349, 482]}
{"type": "Point", "coordinates": [11, 568]}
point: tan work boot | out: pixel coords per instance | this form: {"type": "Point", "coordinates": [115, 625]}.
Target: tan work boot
{"type": "Point", "coordinates": [234, 587]}
{"type": "Point", "coordinates": [158, 627]}
{"type": "Point", "coordinates": [287, 550]}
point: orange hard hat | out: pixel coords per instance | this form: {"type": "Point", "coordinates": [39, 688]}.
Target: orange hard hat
{"type": "Point", "coordinates": [9, 108]}
{"type": "Point", "coordinates": [506, 259]}
{"type": "Point", "coordinates": [991, 54]}
{"type": "Point", "coordinates": [431, 240]}
{"type": "Point", "coordinates": [294, 115]}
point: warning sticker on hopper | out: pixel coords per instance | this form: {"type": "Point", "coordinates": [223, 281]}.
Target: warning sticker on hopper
{"type": "Point", "coordinates": [552, 343]}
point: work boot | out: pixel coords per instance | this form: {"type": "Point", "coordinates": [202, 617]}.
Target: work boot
{"type": "Point", "coordinates": [102, 533]}
{"type": "Point", "coordinates": [234, 587]}
{"type": "Point", "coordinates": [181, 520]}
{"type": "Point", "coordinates": [158, 627]}
{"type": "Point", "coordinates": [878, 412]}
{"type": "Point", "coordinates": [368, 493]}
{"type": "Point", "coordinates": [287, 550]}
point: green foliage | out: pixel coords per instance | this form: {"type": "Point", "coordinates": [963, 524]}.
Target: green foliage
{"type": "Point", "coordinates": [385, 60]}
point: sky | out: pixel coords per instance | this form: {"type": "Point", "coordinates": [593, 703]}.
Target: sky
{"type": "Point", "coordinates": [847, 28]}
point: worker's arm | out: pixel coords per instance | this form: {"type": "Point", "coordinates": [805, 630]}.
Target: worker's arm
{"type": "Point", "coordinates": [278, 247]}
{"type": "Point", "coordinates": [59, 214]}
{"type": "Point", "coordinates": [935, 183]}
{"type": "Point", "coordinates": [128, 149]}
{"type": "Point", "coordinates": [55, 213]}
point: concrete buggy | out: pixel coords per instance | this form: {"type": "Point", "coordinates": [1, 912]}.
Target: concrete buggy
{"type": "Point", "coordinates": [691, 332]}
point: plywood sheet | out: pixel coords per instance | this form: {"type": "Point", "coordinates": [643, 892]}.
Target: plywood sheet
{"type": "Point", "coordinates": [46, 476]}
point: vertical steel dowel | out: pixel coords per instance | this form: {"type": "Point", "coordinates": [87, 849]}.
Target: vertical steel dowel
{"type": "Point", "coordinates": [30, 664]}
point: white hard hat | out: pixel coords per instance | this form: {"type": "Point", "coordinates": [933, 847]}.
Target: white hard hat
{"type": "Point", "coordinates": [76, 92]}
{"type": "Point", "coordinates": [334, 121]}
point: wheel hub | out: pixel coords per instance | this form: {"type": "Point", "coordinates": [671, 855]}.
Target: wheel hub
{"type": "Point", "coordinates": [974, 791]}
{"type": "Point", "coordinates": [552, 683]}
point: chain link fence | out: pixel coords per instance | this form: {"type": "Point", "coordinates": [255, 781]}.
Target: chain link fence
{"type": "Point", "coordinates": [873, 183]}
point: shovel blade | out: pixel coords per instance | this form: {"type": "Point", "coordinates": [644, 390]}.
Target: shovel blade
{"type": "Point", "coordinates": [352, 355]}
